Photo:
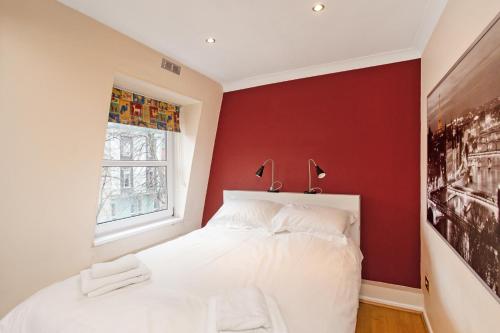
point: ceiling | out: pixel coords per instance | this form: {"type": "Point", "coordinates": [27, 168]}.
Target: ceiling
{"type": "Point", "coordinates": [266, 41]}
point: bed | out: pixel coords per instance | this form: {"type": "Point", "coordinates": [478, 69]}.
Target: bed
{"type": "Point", "coordinates": [315, 282]}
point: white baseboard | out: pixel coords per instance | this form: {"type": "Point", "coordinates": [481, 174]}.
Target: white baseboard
{"type": "Point", "coordinates": [392, 295]}
{"type": "Point", "coordinates": [427, 322]}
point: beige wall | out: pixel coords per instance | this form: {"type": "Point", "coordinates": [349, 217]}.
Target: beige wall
{"type": "Point", "coordinates": [457, 301]}
{"type": "Point", "coordinates": [56, 72]}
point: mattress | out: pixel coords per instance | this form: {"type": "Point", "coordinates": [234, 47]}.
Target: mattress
{"type": "Point", "coordinates": [315, 283]}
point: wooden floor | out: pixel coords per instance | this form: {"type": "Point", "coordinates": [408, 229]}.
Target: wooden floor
{"type": "Point", "coordinates": [380, 319]}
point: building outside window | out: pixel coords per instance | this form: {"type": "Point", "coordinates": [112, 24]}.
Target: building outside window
{"type": "Point", "coordinates": [135, 177]}
{"type": "Point", "coordinates": [125, 147]}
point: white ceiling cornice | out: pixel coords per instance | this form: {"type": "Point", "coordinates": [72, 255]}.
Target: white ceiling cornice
{"type": "Point", "coordinates": [329, 68]}
{"type": "Point", "coordinates": [433, 11]}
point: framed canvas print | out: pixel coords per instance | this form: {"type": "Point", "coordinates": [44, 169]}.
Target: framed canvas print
{"type": "Point", "coordinates": [463, 158]}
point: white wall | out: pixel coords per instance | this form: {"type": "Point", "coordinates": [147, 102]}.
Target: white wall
{"type": "Point", "coordinates": [57, 68]}
{"type": "Point", "coordinates": [457, 301]}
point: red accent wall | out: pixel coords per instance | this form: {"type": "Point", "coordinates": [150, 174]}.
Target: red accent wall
{"type": "Point", "coordinates": [362, 127]}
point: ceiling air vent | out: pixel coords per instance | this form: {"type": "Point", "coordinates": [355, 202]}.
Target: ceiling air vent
{"type": "Point", "coordinates": [170, 66]}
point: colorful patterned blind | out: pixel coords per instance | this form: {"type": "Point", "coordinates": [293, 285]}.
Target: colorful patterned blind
{"type": "Point", "coordinates": [133, 109]}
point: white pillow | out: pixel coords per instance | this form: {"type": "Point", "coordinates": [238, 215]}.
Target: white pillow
{"type": "Point", "coordinates": [246, 213]}
{"type": "Point", "coordinates": [312, 219]}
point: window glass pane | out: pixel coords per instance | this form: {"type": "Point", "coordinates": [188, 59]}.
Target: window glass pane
{"type": "Point", "coordinates": [125, 142]}
{"type": "Point", "coordinates": [131, 191]}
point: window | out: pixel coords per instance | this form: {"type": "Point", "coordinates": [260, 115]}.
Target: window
{"type": "Point", "coordinates": [113, 209]}
{"type": "Point", "coordinates": [126, 178]}
{"type": "Point", "coordinates": [125, 147]}
{"type": "Point", "coordinates": [150, 177]}
{"type": "Point", "coordinates": [136, 186]}
{"type": "Point", "coordinates": [134, 208]}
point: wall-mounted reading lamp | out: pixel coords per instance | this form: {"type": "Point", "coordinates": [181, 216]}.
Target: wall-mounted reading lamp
{"type": "Point", "coordinates": [319, 173]}
{"type": "Point", "coordinates": [260, 172]}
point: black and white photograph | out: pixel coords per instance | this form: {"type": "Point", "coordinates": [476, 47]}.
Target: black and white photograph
{"type": "Point", "coordinates": [463, 158]}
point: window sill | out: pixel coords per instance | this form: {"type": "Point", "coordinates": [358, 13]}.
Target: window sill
{"type": "Point", "coordinates": [111, 237]}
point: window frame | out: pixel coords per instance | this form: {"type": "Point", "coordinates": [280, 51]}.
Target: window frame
{"type": "Point", "coordinates": [124, 224]}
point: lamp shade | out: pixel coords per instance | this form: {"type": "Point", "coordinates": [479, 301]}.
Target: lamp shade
{"type": "Point", "coordinates": [260, 171]}
{"type": "Point", "coordinates": [320, 172]}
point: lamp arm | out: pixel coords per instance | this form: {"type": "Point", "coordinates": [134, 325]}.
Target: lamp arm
{"type": "Point", "coordinates": [278, 187]}
{"type": "Point", "coordinates": [272, 171]}
{"type": "Point", "coordinates": [309, 171]}
{"type": "Point", "coordinates": [317, 189]}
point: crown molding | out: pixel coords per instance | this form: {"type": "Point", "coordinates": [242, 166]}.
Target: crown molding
{"type": "Point", "coordinates": [432, 13]}
{"type": "Point", "coordinates": [328, 68]}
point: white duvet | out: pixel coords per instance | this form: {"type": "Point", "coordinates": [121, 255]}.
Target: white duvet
{"type": "Point", "coordinates": [314, 282]}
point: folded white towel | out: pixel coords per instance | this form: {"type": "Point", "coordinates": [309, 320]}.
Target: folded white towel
{"type": "Point", "coordinates": [119, 265]}
{"type": "Point", "coordinates": [242, 309]}
{"type": "Point", "coordinates": [121, 284]}
{"type": "Point", "coordinates": [96, 287]}
{"type": "Point", "coordinates": [277, 323]}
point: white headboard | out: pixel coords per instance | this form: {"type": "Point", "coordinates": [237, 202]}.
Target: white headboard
{"type": "Point", "coordinates": [342, 201]}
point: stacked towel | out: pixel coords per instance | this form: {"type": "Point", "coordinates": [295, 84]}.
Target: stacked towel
{"type": "Point", "coordinates": [119, 265]}
{"type": "Point", "coordinates": [245, 310]}
{"type": "Point", "coordinates": [113, 275]}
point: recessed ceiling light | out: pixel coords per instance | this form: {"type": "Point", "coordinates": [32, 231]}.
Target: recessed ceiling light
{"type": "Point", "coordinates": [318, 7]}
{"type": "Point", "coordinates": [210, 40]}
